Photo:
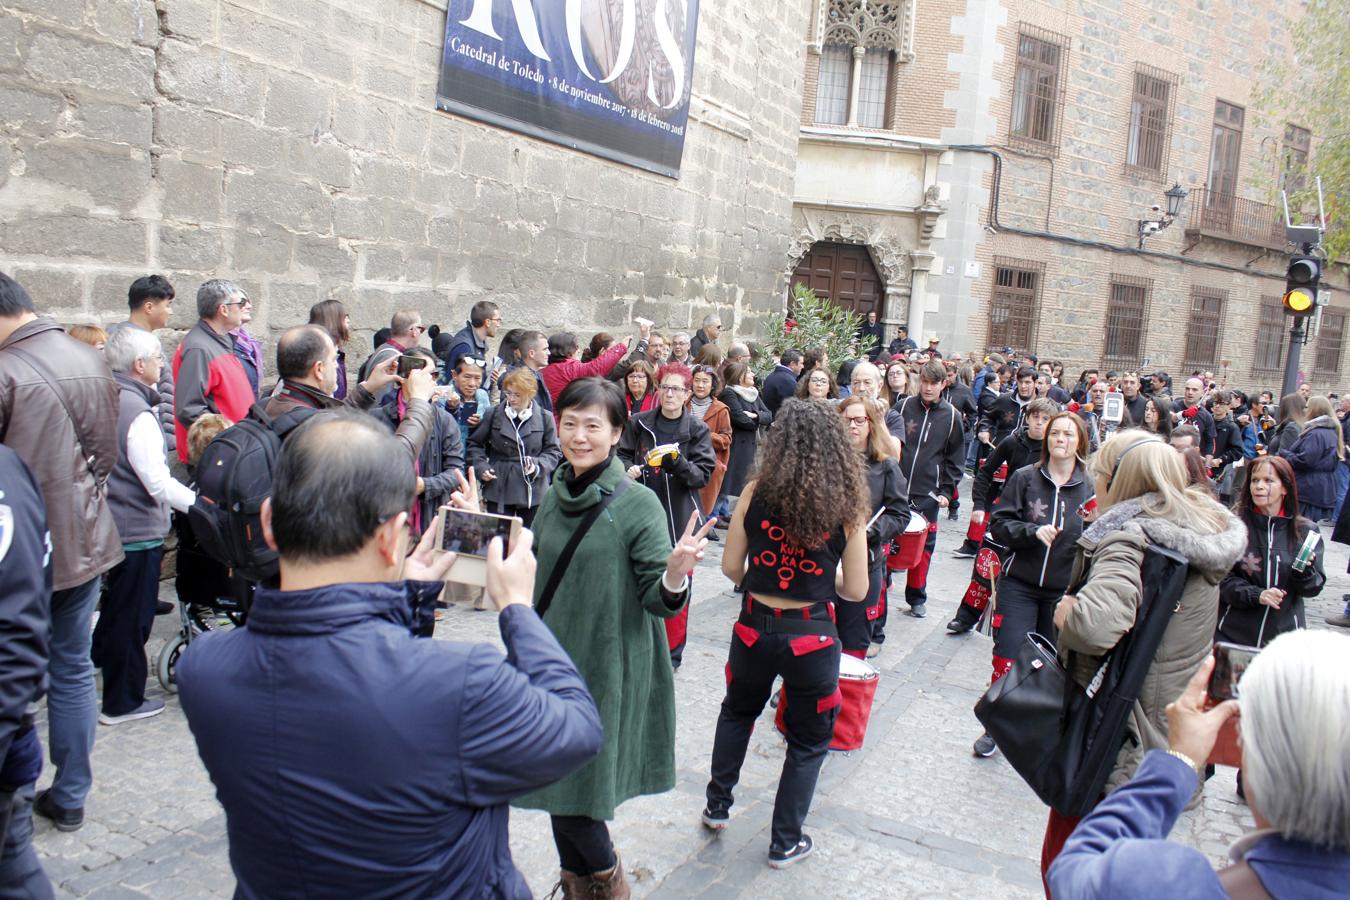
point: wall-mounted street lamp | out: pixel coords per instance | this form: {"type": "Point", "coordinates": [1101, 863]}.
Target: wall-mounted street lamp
{"type": "Point", "coordinates": [1176, 195]}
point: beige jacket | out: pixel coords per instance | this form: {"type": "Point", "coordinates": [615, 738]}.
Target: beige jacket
{"type": "Point", "coordinates": [34, 423]}
{"type": "Point", "coordinates": [1110, 556]}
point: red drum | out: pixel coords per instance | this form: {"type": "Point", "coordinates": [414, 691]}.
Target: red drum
{"type": "Point", "coordinates": [857, 690]}
{"type": "Point", "coordinates": [909, 546]}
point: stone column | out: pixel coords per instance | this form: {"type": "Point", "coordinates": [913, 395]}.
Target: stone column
{"type": "Point", "coordinates": [855, 85]}
{"type": "Point", "coordinates": [921, 261]}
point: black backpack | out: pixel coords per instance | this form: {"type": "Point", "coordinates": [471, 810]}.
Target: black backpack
{"type": "Point", "coordinates": [234, 477]}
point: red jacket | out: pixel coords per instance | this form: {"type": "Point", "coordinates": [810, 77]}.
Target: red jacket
{"type": "Point", "coordinates": [560, 374]}
{"type": "Point", "coordinates": [208, 378]}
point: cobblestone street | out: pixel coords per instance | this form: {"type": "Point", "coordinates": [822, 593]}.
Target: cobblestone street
{"type": "Point", "coordinates": [913, 814]}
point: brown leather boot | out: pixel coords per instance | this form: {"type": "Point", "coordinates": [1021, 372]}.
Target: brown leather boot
{"type": "Point", "coordinates": [611, 883]}
{"type": "Point", "coordinates": [571, 887]}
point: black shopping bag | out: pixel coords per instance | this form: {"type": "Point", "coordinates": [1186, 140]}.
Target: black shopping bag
{"type": "Point", "coordinates": [1062, 738]}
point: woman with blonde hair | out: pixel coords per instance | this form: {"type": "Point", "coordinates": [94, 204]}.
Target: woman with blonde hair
{"type": "Point", "coordinates": [92, 335]}
{"type": "Point", "coordinates": [861, 625]}
{"type": "Point", "coordinates": [1142, 499]}
{"type": "Point", "coordinates": [1314, 456]}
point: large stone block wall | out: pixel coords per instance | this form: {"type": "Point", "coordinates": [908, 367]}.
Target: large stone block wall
{"type": "Point", "coordinates": [294, 145]}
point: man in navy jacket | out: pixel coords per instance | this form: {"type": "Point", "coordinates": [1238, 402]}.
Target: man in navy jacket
{"type": "Point", "coordinates": [781, 383]}
{"type": "Point", "coordinates": [351, 758]}
{"type": "Point", "coordinates": [25, 608]}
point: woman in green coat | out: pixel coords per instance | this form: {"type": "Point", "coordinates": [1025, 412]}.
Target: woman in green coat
{"type": "Point", "coordinates": [607, 612]}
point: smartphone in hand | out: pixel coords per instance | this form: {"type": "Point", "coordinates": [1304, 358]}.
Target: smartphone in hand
{"type": "Point", "coordinates": [468, 534]}
{"type": "Point", "coordinates": [407, 364]}
{"type": "Point", "coordinates": [1230, 662]}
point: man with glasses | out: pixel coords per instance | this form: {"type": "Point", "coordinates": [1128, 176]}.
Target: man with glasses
{"type": "Point", "coordinates": [207, 375]}
{"type": "Point", "coordinates": [248, 348]}
{"type": "Point", "coordinates": [140, 493]}
{"type": "Point", "coordinates": [471, 340]}
{"type": "Point", "coordinates": [405, 331]}
{"type": "Point", "coordinates": [669, 450]}
{"type": "Point", "coordinates": [679, 349]}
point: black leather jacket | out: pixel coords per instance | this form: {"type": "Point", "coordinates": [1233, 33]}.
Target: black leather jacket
{"type": "Point", "coordinates": [1030, 500]}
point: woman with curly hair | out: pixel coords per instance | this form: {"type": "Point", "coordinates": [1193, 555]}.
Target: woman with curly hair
{"type": "Point", "coordinates": [806, 511]}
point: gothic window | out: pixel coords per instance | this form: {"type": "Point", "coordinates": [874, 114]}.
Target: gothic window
{"type": "Point", "coordinates": [859, 40]}
{"type": "Point", "coordinates": [832, 86]}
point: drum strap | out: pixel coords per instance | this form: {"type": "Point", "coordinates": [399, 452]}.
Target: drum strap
{"type": "Point", "coordinates": [787, 625]}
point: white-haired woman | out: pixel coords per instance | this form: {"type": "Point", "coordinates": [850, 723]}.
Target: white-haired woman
{"type": "Point", "coordinates": [1142, 499]}
{"type": "Point", "coordinates": [1294, 735]}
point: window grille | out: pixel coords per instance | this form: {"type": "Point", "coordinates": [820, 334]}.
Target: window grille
{"type": "Point", "coordinates": [1014, 303]}
{"type": "Point", "coordinates": [1150, 120]}
{"type": "Point", "coordinates": [1203, 329]}
{"type": "Point", "coordinates": [1126, 321]}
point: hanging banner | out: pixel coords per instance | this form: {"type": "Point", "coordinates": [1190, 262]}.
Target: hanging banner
{"type": "Point", "coordinates": [609, 77]}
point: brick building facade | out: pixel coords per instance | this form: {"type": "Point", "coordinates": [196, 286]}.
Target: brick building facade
{"type": "Point", "coordinates": [295, 146]}
{"type": "Point", "coordinates": [1042, 135]}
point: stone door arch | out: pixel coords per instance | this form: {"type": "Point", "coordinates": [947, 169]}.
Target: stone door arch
{"type": "Point", "coordinates": [844, 274]}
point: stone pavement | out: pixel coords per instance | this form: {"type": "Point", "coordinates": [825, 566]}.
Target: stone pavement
{"type": "Point", "coordinates": [913, 814]}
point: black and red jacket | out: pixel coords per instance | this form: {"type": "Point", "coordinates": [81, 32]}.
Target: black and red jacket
{"type": "Point", "coordinates": [208, 378]}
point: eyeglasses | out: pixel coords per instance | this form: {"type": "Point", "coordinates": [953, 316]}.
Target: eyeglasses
{"type": "Point", "coordinates": [480, 363]}
{"type": "Point", "coordinates": [417, 328]}
{"type": "Point", "coordinates": [856, 420]}
{"type": "Point", "coordinates": [824, 381]}
{"type": "Point", "coordinates": [673, 389]}
{"type": "Point", "coordinates": [244, 301]}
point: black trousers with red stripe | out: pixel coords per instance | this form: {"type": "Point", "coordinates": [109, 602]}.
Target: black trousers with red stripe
{"type": "Point", "coordinates": [809, 665]}
{"type": "Point", "coordinates": [916, 579]}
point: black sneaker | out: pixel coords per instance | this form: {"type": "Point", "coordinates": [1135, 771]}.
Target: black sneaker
{"type": "Point", "coordinates": [967, 550]}
{"type": "Point", "coordinates": [952, 514]}
{"type": "Point", "coordinates": [919, 610]}
{"type": "Point", "coordinates": [985, 746]}
{"type": "Point", "coordinates": [64, 819]}
{"type": "Point", "coordinates": [956, 626]}
{"type": "Point", "coordinates": [715, 819]}
{"type": "Point", "coordinates": [163, 607]}
{"type": "Point", "coordinates": [781, 859]}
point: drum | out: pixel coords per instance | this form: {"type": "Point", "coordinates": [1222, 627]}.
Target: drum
{"type": "Point", "coordinates": [909, 546]}
{"type": "Point", "coordinates": [857, 690]}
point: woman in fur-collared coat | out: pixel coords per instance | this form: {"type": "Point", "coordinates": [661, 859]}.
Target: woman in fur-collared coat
{"type": "Point", "coordinates": [1142, 498]}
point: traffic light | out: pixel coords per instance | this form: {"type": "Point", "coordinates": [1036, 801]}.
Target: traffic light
{"type": "Point", "coordinates": [1300, 285]}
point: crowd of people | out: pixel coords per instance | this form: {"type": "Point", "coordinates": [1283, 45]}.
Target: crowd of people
{"type": "Point", "coordinates": [623, 458]}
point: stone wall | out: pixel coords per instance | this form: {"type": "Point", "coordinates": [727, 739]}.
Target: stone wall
{"type": "Point", "coordinates": [294, 145]}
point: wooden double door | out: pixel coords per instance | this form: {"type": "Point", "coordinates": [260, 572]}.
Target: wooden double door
{"type": "Point", "coordinates": [843, 273]}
